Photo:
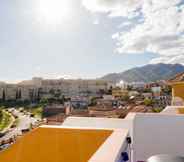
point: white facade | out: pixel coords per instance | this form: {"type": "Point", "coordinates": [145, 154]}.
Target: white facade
{"type": "Point", "coordinates": [151, 133]}
{"type": "Point", "coordinates": [47, 88]}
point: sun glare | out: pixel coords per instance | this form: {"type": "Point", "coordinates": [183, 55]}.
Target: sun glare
{"type": "Point", "coordinates": [53, 12]}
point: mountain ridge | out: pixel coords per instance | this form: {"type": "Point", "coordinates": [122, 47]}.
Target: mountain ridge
{"type": "Point", "coordinates": [146, 73]}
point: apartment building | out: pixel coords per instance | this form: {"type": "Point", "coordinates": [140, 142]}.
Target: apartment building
{"type": "Point", "coordinates": [49, 88]}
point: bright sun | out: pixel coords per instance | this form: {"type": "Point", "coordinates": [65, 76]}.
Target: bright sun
{"type": "Point", "coordinates": [53, 12]}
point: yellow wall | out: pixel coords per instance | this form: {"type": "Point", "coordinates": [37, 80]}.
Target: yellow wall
{"type": "Point", "coordinates": [178, 90]}
{"type": "Point", "coordinates": [55, 145]}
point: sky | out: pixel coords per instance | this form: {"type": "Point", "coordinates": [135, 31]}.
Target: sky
{"type": "Point", "coordinates": [87, 38]}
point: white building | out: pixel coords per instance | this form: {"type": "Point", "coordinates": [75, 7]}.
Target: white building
{"type": "Point", "coordinates": [122, 84]}
{"type": "Point", "coordinates": [151, 134]}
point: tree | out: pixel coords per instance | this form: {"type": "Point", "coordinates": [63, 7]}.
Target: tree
{"type": "Point", "coordinates": [17, 95]}
{"type": "Point", "coordinates": [57, 94]}
{"type": "Point", "coordinates": [157, 110]}
{"type": "Point", "coordinates": [4, 96]}
{"type": "Point", "coordinates": [44, 101]}
{"type": "Point", "coordinates": [93, 101]}
{"type": "Point", "coordinates": [148, 102]}
{"type": "Point", "coordinates": [125, 98]}
{"type": "Point", "coordinates": [167, 90]}
{"type": "Point", "coordinates": [110, 90]}
{"type": "Point", "coordinates": [39, 94]}
{"type": "Point", "coordinates": [20, 94]}
{"type": "Point", "coordinates": [129, 87]}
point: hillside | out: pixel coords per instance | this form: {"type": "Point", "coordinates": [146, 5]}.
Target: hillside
{"type": "Point", "coordinates": [147, 73]}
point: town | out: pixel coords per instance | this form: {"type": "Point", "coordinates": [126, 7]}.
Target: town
{"type": "Point", "coordinates": [92, 81]}
{"type": "Point", "coordinates": [40, 105]}
{"type": "Point", "coordinates": [28, 104]}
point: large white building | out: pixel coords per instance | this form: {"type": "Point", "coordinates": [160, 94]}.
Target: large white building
{"type": "Point", "coordinates": [47, 88]}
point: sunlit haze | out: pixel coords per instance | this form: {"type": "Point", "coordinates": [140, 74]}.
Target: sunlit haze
{"type": "Point", "coordinates": [53, 12]}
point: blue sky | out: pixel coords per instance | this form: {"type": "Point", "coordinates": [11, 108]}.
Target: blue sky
{"type": "Point", "coordinates": [78, 45]}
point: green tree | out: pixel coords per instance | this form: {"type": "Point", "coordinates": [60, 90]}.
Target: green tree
{"type": "Point", "coordinates": [125, 98]}
{"type": "Point", "coordinates": [4, 96]}
{"type": "Point", "coordinates": [129, 87]}
{"type": "Point", "coordinates": [44, 101]}
{"type": "Point", "coordinates": [20, 94]}
{"type": "Point", "coordinates": [148, 102]}
{"type": "Point", "coordinates": [157, 110]}
{"type": "Point", "coordinates": [17, 95]}
{"type": "Point", "coordinates": [93, 101]}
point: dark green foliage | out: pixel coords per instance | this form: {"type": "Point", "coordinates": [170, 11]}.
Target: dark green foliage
{"type": "Point", "coordinates": [148, 102]}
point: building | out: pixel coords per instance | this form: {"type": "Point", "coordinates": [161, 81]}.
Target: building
{"type": "Point", "coordinates": [137, 85]}
{"type": "Point", "coordinates": [118, 92]}
{"type": "Point", "coordinates": [156, 91]}
{"type": "Point", "coordinates": [177, 84]}
{"type": "Point", "coordinates": [147, 95]}
{"type": "Point", "coordinates": [150, 133]}
{"type": "Point", "coordinates": [122, 84]}
{"type": "Point", "coordinates": [38, 88]}
{"type": "Point", "coordinates": [135, 138]}
{"type": "Point", "coordinates": [54, 109]}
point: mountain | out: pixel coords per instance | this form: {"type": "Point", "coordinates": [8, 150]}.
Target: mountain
{"type": "Point", "coordinates": [147, 73]}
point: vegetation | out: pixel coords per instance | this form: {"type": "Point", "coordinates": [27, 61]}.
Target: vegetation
{"type": "Point", "coordinates": [36, 111]}
{"type": "Point", "coordinates": [129, 87]}
{"type": "Point", "coordinates": [14, 103]}
{"type": "Point", "coordinates": [148, 102]}
{"type": "Point", "coordinates": [167, 90]}
{"type": "Point", "coordinates": [5, 119]}
{"type": "Point", "coordinates": [93, 101]}
{"type": "Point", "coordinates": [147, 90]}
{"type": "Point", "coordinates": [44, 102]}
{"type": "Point", "coordinates": [125, 98]}
{"type": "Point", "coordinates": [157, 110]}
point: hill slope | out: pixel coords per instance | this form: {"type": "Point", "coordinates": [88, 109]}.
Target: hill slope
{"type": "Point", "coordinates": [147, 73]}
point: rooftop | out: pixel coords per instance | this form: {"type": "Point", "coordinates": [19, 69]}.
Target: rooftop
{"type": "Point", "coordinates": [178, 78]}
{"type": "Point", "coordinates": [87, 139]}
{"type": "Point", "coordinates": [52, 144]}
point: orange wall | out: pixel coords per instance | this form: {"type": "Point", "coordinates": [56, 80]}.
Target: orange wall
{"type": "Point", "coordinates": [178, 90]}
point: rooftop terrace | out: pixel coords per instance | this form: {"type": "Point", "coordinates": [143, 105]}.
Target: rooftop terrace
{"type": "Point", "coordinates": [51, 144]}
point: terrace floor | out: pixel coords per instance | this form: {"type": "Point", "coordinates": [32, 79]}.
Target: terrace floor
{"type": "Point", "coordinates": [56, 145]}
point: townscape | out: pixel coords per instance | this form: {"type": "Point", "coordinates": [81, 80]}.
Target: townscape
{"type": "Point", "coordinates": [92, 81]}
{"type": "Point", "coordinates": [28, 104]}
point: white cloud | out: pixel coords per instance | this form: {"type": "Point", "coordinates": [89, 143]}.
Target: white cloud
{"type": "Point", "coordinates": [115, 36]}
{"type": "Point", "coordinates": [113, 7]}
{"type": "Point", "coordinates": [160, 28]}
{"type": "Point", "coordinates": [125, 24]}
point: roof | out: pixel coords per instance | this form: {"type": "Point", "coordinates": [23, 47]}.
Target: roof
{"type": "Point", "coordinates": [47, 144]}
{"type": "Point", "coordinates": [177, 78]}
{"type": "Point", "coordinates": [98, 122]}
